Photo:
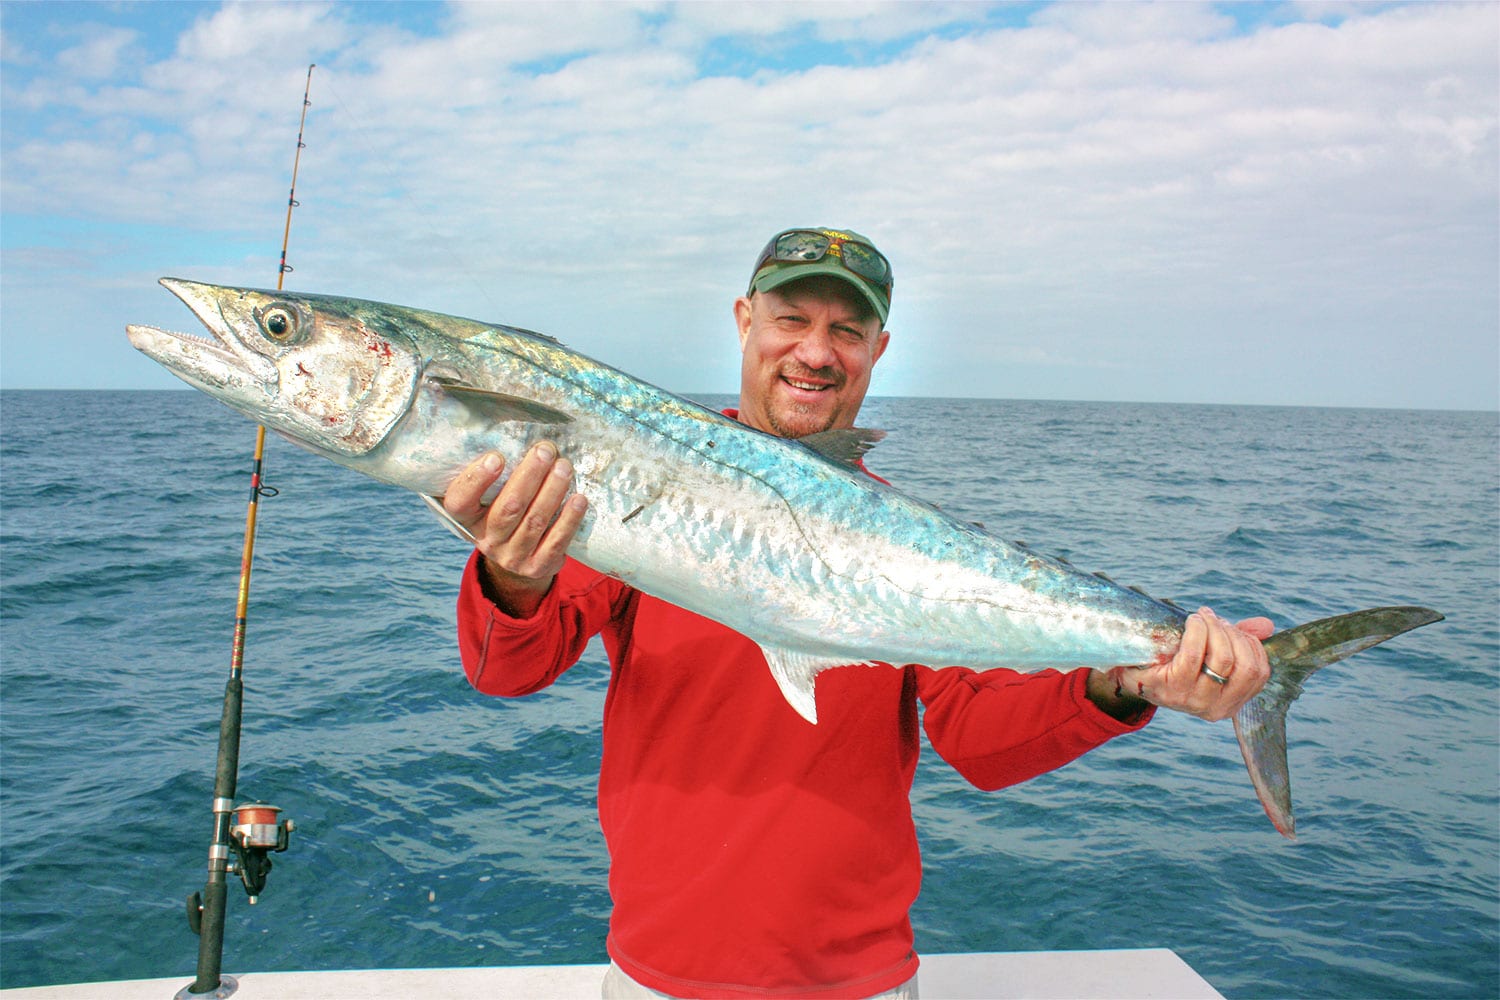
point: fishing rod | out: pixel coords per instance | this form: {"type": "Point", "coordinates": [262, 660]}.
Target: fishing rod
{"type": "Point", "coordinates": [249, 831]}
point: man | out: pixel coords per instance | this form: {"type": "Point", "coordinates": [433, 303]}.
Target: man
{"type": "Point", "coordinates": [751, 853]}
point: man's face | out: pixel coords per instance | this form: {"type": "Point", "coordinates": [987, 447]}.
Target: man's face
{"type": "Point", "coordinates": [807, 350]}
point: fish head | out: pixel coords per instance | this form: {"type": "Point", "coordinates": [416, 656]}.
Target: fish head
{"type": "Point", "coordinates": [334, 374]}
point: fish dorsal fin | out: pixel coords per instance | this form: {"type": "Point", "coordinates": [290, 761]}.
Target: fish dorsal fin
{"type": "Point", "coordinates": [500, 407]}
{"type": "Point", "coordinates": [845, 446]}
{"type": "Point", "coordinates": [532, 333]}
{"type": "Point", "coordinates": [796, 675]}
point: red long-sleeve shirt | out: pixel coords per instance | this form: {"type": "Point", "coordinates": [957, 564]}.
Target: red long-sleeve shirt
{"type": "Point", "coordinates": [753, 853]}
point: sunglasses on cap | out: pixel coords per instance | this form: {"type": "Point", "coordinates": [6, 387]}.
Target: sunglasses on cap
{"type": "Point", "coordinates": [805, 246]}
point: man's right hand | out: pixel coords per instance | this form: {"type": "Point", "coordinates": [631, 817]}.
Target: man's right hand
{"type": "Point", "coordinates": [524, 533]}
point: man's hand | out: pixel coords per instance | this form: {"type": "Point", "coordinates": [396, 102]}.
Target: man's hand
{"type": "Point", "coordinates": [1229, 651]}
{"type": "Point", "coordinates": [524, 533]}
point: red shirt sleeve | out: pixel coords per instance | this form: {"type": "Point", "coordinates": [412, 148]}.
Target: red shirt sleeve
{"type": "Point", "coordinates": [1000, 727]}
{"type": "Point", "coordinates": [515, 656]}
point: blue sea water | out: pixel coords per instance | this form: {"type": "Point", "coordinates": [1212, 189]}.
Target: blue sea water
{"type": "Point", "coordinates": [438, 827]}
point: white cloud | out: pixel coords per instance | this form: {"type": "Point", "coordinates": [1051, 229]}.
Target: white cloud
{"type": "Point", "coordinates": [100, 56]}
{"type": "Point", "coordinates": [1108, 183]}
{"type": "Point", "coordinates": [767, 26]}
{"type": "Point", "coordinates": [1107, 25]}
{"type": "Point", "coordinates": [242, 36]}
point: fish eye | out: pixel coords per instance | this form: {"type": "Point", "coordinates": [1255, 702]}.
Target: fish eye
{"type": "Point", "coordinates": [279, 322]}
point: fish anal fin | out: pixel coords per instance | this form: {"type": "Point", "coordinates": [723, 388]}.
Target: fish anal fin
{"type": "Point", "coordinates": [1295, 655]}
{"type": "Point", "coordinates": [796, 675]}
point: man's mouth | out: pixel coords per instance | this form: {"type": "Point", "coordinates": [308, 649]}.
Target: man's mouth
{"type": "Point", "coordinates": [811, 380]}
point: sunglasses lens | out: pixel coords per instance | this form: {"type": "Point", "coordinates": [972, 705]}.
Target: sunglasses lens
{"type": "Point", "coordinates": [866, 262]}
{"type": "Point", "coordinates": [806, 245]}
{"type": "Point", "coordinates": [801, 245]}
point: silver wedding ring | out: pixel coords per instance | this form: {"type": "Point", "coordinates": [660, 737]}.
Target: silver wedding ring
{"type": "Point", "coordinates": [1217, 678]}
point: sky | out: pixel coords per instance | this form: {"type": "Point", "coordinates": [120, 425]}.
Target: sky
{"type": "Point", "coordinates": [1274, 203]}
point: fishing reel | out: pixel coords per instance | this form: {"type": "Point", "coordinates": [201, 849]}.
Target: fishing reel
{"type": "Point", "coordinates": [254, 833]}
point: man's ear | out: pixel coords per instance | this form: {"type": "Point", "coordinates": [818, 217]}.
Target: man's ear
{"type": "Point", "coordinates": [881, 342]}
{"type": "Point", "coordinates": [742, 318]}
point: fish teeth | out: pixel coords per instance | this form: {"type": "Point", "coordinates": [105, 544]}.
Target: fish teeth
{"type": "Point", "coordinates": [192, 339]}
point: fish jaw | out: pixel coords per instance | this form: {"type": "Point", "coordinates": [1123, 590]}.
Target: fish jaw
{"type": "Point", "coordinates": [222, 367]}
{"type": "Point", "coordinates": [334, 382]}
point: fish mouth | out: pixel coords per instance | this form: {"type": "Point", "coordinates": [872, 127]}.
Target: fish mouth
{"type": "Point", "coordinates": [213, 365]}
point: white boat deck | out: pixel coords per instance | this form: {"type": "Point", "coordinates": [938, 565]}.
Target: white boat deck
{"type": "Point", "coordinates": [1146, 974]}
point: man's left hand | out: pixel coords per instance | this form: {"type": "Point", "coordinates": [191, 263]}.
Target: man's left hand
{"type": "Point", "coordinates": [1219, 666]}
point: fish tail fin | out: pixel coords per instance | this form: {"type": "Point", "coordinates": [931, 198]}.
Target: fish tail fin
{"type": "Point", "coordinates": [1295, 655]}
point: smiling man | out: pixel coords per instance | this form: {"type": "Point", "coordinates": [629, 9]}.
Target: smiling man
{"type": "Point", "coordinates": [751, 853]}
{"type": "Point", "coordinates": [811, 329]}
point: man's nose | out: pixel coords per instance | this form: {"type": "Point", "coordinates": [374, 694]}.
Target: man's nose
{"type": "Point", "coordinates": [815, 349]}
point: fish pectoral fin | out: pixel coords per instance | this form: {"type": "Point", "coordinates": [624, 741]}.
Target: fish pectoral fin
{"type": "Point", "coordinates": [845, 446]}
{"type": "Point", "coordinates": [436, 506]}
{"type": "Point", "coordinates": [796, 674]}
{"type": "Point", "coordinates": [1295, 655]}
{"type": "Point", "coordinates": [499, 407]}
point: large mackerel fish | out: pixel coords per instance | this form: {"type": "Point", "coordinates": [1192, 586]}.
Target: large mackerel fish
{"type": "Point", "coordinates": [784, 541]}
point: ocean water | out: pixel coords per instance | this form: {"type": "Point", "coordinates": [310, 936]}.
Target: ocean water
{"type": "Point", "coordinates": [439, 827]}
